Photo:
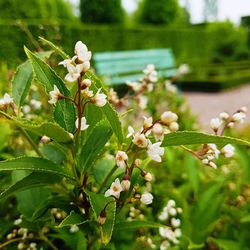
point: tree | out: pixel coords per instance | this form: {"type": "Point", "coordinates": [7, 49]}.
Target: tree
{"type": "Point", "coordinates": [158, 12]}
{"type": "Point", "coordinates": [101, 11]}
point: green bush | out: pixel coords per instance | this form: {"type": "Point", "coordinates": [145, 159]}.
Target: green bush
{"type": "Point", "coordinates": [158, 12]}
{"type": "Point", "coordinates": [40, 10]}
{"type": "Point", "coordinates": [101, 11]}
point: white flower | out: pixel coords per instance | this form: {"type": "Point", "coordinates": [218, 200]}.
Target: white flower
{"type": "Point", "coordinates": [165, 245]}
{"type": "Point", "coordinates": [6, 100]}
{"type": "Point", "coordinates": [212, 164]}
{"type": "Point", "coordinates": [174, 126]}
{"type": "Point", "coordinates": [142, 101]}
{"type": "Point", "coordinates": [152, 77]}
{"type": "Point", "coordinates": [66, 62]}
{"type": "Point", "coordinates": [130, 131]}
{"type": "Point", "coordinates": [121, 158]}
{"type": "Point", "coordinates": [177, 232]}
{"type": "Point", "coordinates": [175, 222]}
{"type": "Point", "coordinates": [82, 52]}
{"type": "Point", "coordinates": [243, 109]}
{"type": "Point", "coordinates": [167, 233]}
{"type": "Point", "coordinates": [239, 117]}
{"type": "Point", "coordinates": [125, 183]}
{"type": "Point", "coordinates": [171, 203]}
{"type": "Point", "coordinates": [87, 93]}
{"type": "Point", "coordinates": [155, 151]}
{"type": "Point", "coordinates": [146, 198]}
{"type": "Point", "coordinates": [213, 150]}
{"type": "Point", "coordinates": [224, 115]}
{"type": "Point", "coordinates": [86, 83]}
{"type": "Point", "coordinates": [172, 211]}
{"type": "Point", "coordinates": [183, 70]}
{"type": "Point", "coordinates": [85, 66]}
{"type": "Point", "coordinates": [228, 151]}
{"type": "Point", "coordinates": [148, 177]}
{"type": "Point", "coordinates": [140, 140]}
{"type": "Point", "coordinates": [45, 139]}
{"type": "Point", "coordinates": [170, 87]}
{"type": "Point", "coordinates": [134, 85]}
{"type": "Point", "coordinates": [99, 99]}
{"type": "Point", "coordinates": [18, 221]}
{"type": "Point", "coordinates": [84, 124]}
{"type": "Point", "coordinates": [55, 95]}
{"type": "Point", "coordinates": [149, 69]}
{"type": "Point", "coordinates": [115, 189]}
{"type": "Point", "coordinates": [148, 122]}
{"type": "Point", "coordinates": [36, 104]}
{"type": "Point", "coordinates": [215, 123]}
{"type": "Point", "coordinates": [168, 117]}
{"type": "Point", "coordinates": [163, 216]}
{"type": "Point", "coordinates": [26, 109]}
{"type": "Point", "coordinates": [74, 228]}
{"type": "Point", "coordinates": [158, 131]}
{"type": "Point", "coordinates": [74, 72]}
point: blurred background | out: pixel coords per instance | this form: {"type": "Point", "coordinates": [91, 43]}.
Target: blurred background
{"type": "Point", "coordinates": [211, 36]}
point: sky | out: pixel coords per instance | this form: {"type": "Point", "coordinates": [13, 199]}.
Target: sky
{"type": "Point", "coordinates": [227, 9]}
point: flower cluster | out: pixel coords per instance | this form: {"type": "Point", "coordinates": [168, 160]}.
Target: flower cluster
{"type": "Point", "coordinates": [6, 102]}
{"type": "Point", "coordinates": [171, 232]}
{"type": "Point", "coordinates": [140, 142]}
{"type": "Point", "coordinates": [77, 66]}
{"type": "Point", "coordinates": [227, 121]}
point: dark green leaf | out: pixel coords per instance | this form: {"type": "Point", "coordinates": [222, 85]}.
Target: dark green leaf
{"type": "Point", "coordinates": [34, 164]}
{"type": "Point", "coordinates": [192, 137]}
{"type": "Point", "coordinates": [99, 136]}
{"type": "Point", "coordinates": [73, 219]}
{"type": "Point", "coordinates": [64, 113]}
{"type": "Point", "coordinates": [227, 244]}
{"type": "Point", "coordinates": [98, 202]}
{"type": "Point", "coordinates": [31, 181]}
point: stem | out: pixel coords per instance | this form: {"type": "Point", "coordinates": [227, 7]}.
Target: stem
{"type": "Point", "coordinates": [45, 239]}
{"type": "Point", "coordinates": [190, 151]}
{"type": "Point", "coordinates": [107, 178]}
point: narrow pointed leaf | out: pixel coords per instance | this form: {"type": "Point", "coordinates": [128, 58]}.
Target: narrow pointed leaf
{"type": "Point", "coordinates": [64, 113]}
{"type": "Point", "coordinates": [34, 164]}
{"type": "Point", "coordinates": [98, 202]}
{"type": "Point", "coordinates": [93, 146]}
{"type": "Point", "coordinates": [131, 225]}
{"type": "Point", "coordinates": [72, 219]}
{"type": "Point", "coordinates": [31, 181]}
{"type": "Point", "coordinates": [192, 137]}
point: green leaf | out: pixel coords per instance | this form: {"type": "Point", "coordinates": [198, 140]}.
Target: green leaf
{"type": "Point", "coordinates": [227, 244]}
{"type": "Point", "coordinates": [93, 146]}
{"type": "Point", "coordinates": [98, 202]}
{"type": "Point", "coordinates": [192, 137]}
{"type": "Point", "coordinates": [72, 219]}
{"type": "Point", "coordinates": [34, 164]}
{"type": "Point", "coordinates": [64, 113]}
{"type": "Point", "coordinates": [108, 110]}
{"type": "Point", "coordinates": [31, 181]}
{"type": "Point", "coordinates": [54, 47]}
{"type": "Point", "coordinates": [22, 79]}
{"type": "Point", "coordinates": [131, 225]}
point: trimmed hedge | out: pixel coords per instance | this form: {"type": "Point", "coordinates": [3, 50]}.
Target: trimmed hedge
{"type": "Point", "coordinates": [187, 44]}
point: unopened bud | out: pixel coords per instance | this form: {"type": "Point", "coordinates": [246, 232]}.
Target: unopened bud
{"type": "Point", "coordinates": [102, 217]}
{"type": "Point", "coordinates": [86, 83]}
{"type": "Point", "coordinates": [243, 109]}
{"type": "Point", "coordinates": [126, 183]}
{"type": "Point", "coordinates": [146, 175]}
{"type": "Point", "coordinates": [45, 139]}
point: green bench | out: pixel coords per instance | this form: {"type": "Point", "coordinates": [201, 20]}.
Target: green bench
{"type": "Point", "coordinates": [118, 67]}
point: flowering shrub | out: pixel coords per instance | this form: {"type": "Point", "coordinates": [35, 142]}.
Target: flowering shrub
{"type": "Point", "coordinates": [82, 185]}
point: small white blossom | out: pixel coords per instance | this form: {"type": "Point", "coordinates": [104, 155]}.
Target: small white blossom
{"type": "Point", "coordinates": [87, 93]}
{"type": "Point", "coordinates": [165, 245]}
{"type": "Point", "coordinates": [183, 70]}
{"type": "Point", "coordinates": [146, 198]}
{"type": "Point", "coordinates": [215, 123]}
{"type": "Point", "coordinates": [6, 100]}
{"type": "Point", "coordinates": [84, 124]}
{"type": "Point", "coordinates": [45, 139]}
{"type": "Point", "coordinates": [131, 132]}
{"type": "Point", "coordinates": [86, 83]}
{"type": "Point", "coordinates": [172, 211]}
{"type": "Point", "coordinates": [177, 232]}
{"type": "Point", "coordinates": [134, 85]}
{"type": "Point", "coordinates": [152, 77]}
{"type": "Point", "coordinates": [121, 158]}
{"type": "Point", "coordinates": [140, 140]}
{"type": "Point", "coordinates": [170, 87]}
{"type": "Point", "coordinates": [239, 117]}
{"type": "Point", "coordinates": [169, 117]}
{"type": "Point", "coordinates": [55, 95]}
{"type": "Point", "coordinates": [175, 222]}
{"type": "Point", "coordinates": [155, 151]}
{"type": "Point", "coordinates": [213, 150]}
{"type": "Point", "coordinates": [125, 184]}
{"type": "Point", "coordinates": [158, 131]}
{"type": "Point", "coordinates": [82, 52]}
{"type": "Point", "coordinates": [212, 164]}
{"type": "Point", "coordinates": [18, 221]}
{"type": "Point", "coordinates": [142, 101]}
{"type": "Point", "coordinates": [74, 229]}
{"type": "Point", "coordinates": [74, 72]}
{"type": "Point", "coordinates": [26, 109]}
{"type": "Point", "coordinates": [166, 232]}
{"type": "Point", "coordinates": [171, 203]}
{"type": "Point", "coordinates": [36, 104]}
{"type": "Point", "coordinates": [228, 151]}
{"type": "Point", "coordinates": [163, 216]}
{"type": "Point", "coordinates": [173, 126]}
{"type": "Point", "coordinates": [66, 62]}
{"type": "Point", "coordinates": [243, 109]}
{"type": "Point", "coordinates": [115, 189]}
{"type": "Point", "coordinates": [224, 115]}
{"type": "Point", "coordinates": [149, 69]}
{"type": "Point", "coordinates": [99, 99]}
{"type": "Point", "coordinates": [148, 177]}
{"type": "Point", "coordinates": [148, 122]}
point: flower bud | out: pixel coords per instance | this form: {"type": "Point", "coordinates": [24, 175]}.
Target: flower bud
{"type": "Point", "coordinates": [224, 116]}
{"type": "Point", "coordinates": [146, 198]}
{"type": "Point", "coordinates": [102, 217]}
{"type": "Point", "coordinates": [45, 139]}
{"type": "Point", "coordinates": [86, 83]}
{"type": "Point", "coordinates": [126, 183]}
{"type": "Point", "coordinates": [146, 175]}
{"type": "Point", "coordinates": [174, 126]}
{"type": "Point", "coordinates": [168, 117]}
{"type": "Point", "coordinates": [215, 123]}
{"type": "Point", "coordinates": [243, 109]}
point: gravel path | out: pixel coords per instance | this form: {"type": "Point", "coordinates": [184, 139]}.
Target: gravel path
{"type": "Point", "coordinates": [209, 105]}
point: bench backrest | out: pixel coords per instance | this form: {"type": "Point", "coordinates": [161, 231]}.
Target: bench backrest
{"type": "Point", "coordinates": [121, 66]}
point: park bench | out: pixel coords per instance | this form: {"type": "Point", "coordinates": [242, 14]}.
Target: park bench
{"type": "Point", "coordinates": [118, 67]}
